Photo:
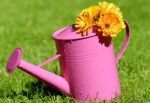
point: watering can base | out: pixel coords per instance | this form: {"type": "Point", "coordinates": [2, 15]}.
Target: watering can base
{"type": "Point", "coordinates": [97, 100]}
{"type": "Point", "coordinates": [14, 60]}
{"type": "Point", "coordinates": [94, 101]}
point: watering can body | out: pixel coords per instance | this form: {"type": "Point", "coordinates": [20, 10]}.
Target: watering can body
{"type": "Point", "coordinates": [90, 68]}
{"type": "Point", "coordinates": [88, 65]}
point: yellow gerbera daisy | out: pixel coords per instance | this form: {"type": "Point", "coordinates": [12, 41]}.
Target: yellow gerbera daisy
{"type": "Point", "coordinates": [85, 20]}
{"type": "Point", "coordinates": [107, 8]}
{"type": "Point", "coordinates": [95, 12]}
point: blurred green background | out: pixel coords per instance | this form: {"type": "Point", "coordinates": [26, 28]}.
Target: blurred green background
{"type": "Point", "coordinates": [30, 23]}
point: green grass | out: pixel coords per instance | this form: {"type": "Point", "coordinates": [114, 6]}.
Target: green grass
{"type": "Point", "coordinates": [30, 23]}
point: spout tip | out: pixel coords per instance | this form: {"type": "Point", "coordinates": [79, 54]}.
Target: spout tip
{"type": "Point", "coordinates": [14, 60]}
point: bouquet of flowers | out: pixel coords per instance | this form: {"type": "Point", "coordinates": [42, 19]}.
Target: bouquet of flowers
{"type": "Point", "coordinates": [105, 18]}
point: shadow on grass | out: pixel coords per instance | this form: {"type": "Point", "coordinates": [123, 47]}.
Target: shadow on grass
{"type": "Point", "coordinates": [41, 89]}
{"type": "Point", "coordinates": [31, 90]}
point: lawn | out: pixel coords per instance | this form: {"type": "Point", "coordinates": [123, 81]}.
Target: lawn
{"type": "Point", "coordinates": [29, 24]}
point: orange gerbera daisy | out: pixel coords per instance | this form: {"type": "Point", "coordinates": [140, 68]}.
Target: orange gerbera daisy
{"type": "Point", "coordinates": [111, 20]}
{"type": "Point", "coordinates": [108, 25]}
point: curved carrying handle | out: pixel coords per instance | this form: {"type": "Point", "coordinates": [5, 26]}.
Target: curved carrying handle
{"type": "Point", "coordinates": [49, 60]}
{"type": "Point", "coordinates": [125, 43]}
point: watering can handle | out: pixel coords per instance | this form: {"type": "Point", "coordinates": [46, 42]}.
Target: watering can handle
{"type": "Point", "coordinates": [125, 43]}
{"type": "Point", "coordinates": [49, 60]}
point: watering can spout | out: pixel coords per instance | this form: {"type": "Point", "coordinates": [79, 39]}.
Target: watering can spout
{"type": "Point", "coordinates": [49, 78]}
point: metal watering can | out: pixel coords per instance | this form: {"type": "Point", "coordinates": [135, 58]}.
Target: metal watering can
{"type": "Point", "coordinates": [88, 65]}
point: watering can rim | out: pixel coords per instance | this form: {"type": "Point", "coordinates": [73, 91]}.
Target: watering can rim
{"type": "Point", "coordinates": [69, 33]}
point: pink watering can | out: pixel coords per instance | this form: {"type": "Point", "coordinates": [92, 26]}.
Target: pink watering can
{"type": "Point", "coordinates": [88, 65]}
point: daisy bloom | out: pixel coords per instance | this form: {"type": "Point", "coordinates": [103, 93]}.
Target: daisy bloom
{"type": "Point", "coordinates": [95, 11]}
{"type": "Point", "coordinates": [111, 20]}
{"type": "Point", "coordinates": [105, 18]}
{"type": "Point", "coordinates": [109, 25]}
{"type": "Point", "coordinates": [85, 20]}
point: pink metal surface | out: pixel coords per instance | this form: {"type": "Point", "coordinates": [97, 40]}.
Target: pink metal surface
{"type": "Point", "coordinates": [90, 68]}
{"type": "Point", "coordinates": [49, 60]}
{"type": "Point", "coordinates": [49, 78]}
{"type": "Point", "coordinates": [125, 43]}
{"type": "Point", "coordinates": [40, 73]}
{"type": "Point", "coordinates": [68, 33]}
{"type": "Point", "coordinates": [88, 65]}
{"type": "Point", "coordinates": [14, 60]}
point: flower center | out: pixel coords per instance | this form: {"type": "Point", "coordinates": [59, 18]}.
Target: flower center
{"type": "Point", "coordinates": [107, 26]}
